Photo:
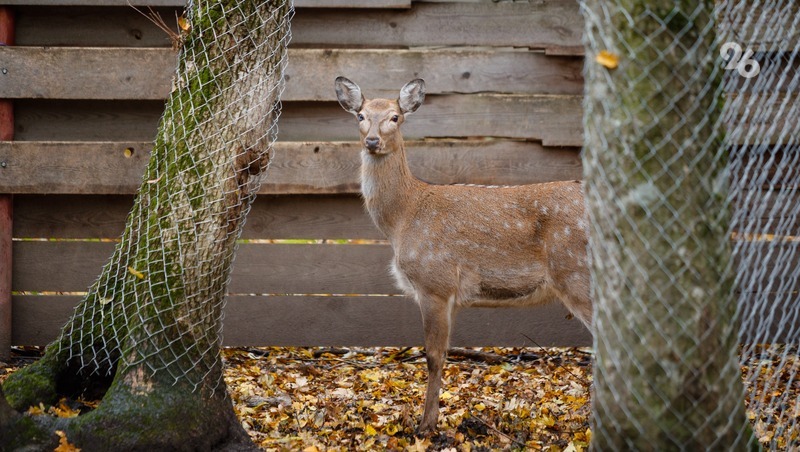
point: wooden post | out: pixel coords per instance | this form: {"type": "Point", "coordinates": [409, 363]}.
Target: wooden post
{"type": "Point", "coordinates": [6, 200]}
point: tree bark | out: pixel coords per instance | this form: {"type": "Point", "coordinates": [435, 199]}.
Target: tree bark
{"type": "Point", "coordinates": [666, 373]}
{"type": "Point", "coordinates": [152, 320]}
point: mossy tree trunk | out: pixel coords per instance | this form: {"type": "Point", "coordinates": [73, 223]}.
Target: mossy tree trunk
{"type": "Point", "coordinates": [666, 373]}
{"type": "Point", "coordinates": [146, 337]}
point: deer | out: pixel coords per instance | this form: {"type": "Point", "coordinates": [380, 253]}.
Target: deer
{"type": "Point", "coordinates": [458, 246]}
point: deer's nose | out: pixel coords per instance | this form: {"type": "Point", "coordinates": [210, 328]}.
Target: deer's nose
{"type": "Point", "coordinates": [372, 143]}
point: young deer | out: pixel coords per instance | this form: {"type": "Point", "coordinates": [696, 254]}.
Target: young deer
{"type": "Point", "coordinates": [461, 245]}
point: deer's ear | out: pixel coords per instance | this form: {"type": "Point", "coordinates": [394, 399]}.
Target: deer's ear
{"type": "Point", "coordinates": [412, 95]}
{"type": "Point", "coordinates": [349, 95]}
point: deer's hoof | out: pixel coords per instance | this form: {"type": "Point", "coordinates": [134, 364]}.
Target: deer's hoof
{"type": "Point", "coordinates": [425, 430]}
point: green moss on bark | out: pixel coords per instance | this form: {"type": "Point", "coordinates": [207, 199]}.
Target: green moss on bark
{"type": "Point", "coordinates": [35, 383]}
{"type": "Point", "coordinates": [666, 370]}
{"type": "Point", "coordinates": [160, 320]}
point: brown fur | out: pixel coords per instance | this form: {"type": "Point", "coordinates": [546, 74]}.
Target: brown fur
{"type": "Point", "coordinates": [457, 245]}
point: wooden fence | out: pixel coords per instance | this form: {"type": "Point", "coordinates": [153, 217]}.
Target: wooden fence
{"type": "Point", "coordinates": [87, 79]}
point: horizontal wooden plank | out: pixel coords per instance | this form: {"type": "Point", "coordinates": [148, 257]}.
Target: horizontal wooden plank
{"type": "Point", "coordinates": [770, 318]}
{"type": "Point", "coordinates": [318, 216]}
{"type": "Point", "coordinates": [99, 168]}
{"type": "Point", "coordinates": [66, 120]}
{"type": "Point", "coordinates": [553, 25]}
{"type": "Point", "coordinates": [258, 268]}
{"type": "Point", "coordinates": [309, 217]}
{"type": "Point", "coordinates": [182, 3]}
{"type": "Point", "coordinates": [760, 26]}
{"type": "Point", "coordinates": [333, 167]}
{"type": "Point", "coordinates": [763, 118]}
{"type": "Point", "coordinates": [154, 3]}
{"type": "Point", "coordinates": [137, 73]}
{"type": "Point", "coordinates": [549, 24]}
{"type": "Point", "coordinates": [298, 167]}
{"type": "Point", "coordinates": [146, 73]}
{"type": "Point", "coordinates": [91, 26]}
{"type": "Point", "coordinates": [312, 269]}
{"type": "Point", "coordinates": [553, 119]}
{"type": "Point", "coordinates": [326, 268]}
{"type": "Point", "coordinates": [271, 217]}
{"type": "Point", "coordinates": [778, 72]}
{"type": "Point", "coordinates": [329, 321]}
{"type": "Point", "coordinates": [766, 167]}
{"type": "Point", "coordinates": [76, 73]}
{"type": "Point", "coordinates": [381, 73]}
{"type": "Point", "coordinates": [391, 321]}
{"type": "Point", "coordinates": [352, 3]}
{"type": "Point", "coordinates": [544, 24]}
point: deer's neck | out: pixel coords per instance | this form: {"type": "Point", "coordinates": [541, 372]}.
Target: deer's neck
{"type": "Point", "coordinates": [389, 188]}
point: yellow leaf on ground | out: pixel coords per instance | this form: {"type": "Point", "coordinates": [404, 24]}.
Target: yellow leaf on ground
{"type": "Point", "coordinates": [63, 444]}
{"type": "Point", "coordinates": [371, 375]}
{"type": "Point", "coordinates": [391, 429]}
{"type": "Point", "coordinates": [370, 430]}
{"type": "Point", "coordinates": [36, 410]}
{"type": "Point", "coordinates": [62, 410]}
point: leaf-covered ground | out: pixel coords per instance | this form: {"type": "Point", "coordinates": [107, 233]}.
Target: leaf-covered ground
{"type": "Point", "coordinates": [315, 399]}
{"type": "Point", "coordinates": [322, 399]}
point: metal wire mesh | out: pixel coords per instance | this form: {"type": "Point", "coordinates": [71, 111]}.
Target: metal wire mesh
{"type": "Point", "coordinates": [158, 302]}
{"type": "Point", "coordinates": [691, 165]}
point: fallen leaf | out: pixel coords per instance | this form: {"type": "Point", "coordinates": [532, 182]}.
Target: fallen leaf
{"type": "Point", "coordinates": [63, 444]}
{"type": "Point", "coordinates": [62, 410]}
{"type": "Point", "coordinates": [136, 273]}
{"type": "Point", "coordinates": [607, 59]}
{"type": "Point", "coordinates": [183, 22]}
{"type": "Point", "coordinates": [37, 410]}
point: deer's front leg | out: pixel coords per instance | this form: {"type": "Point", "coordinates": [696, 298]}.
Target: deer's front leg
{"type": "Point", "coordinates": [436, 320]}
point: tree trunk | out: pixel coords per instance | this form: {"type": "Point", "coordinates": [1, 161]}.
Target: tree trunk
{"type": "Point", "coordinates": [666, 371]}
{"type": "Point", "coordinates": [147, 335]}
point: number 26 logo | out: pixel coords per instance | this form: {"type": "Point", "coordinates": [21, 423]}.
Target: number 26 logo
{"type": "Point", "coordinates": [745, 65]}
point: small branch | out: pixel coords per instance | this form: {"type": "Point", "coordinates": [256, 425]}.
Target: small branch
{"type": "Point", "coordinates": [566, 369]}
{"type": "Point", "coordinates": [492, 428]}
{"type": "Point", "coordinates": [476, 355]}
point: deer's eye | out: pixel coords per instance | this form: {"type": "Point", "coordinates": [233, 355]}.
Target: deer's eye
{"type": "Point", "coordinates": [395, 118]}
{"type": "Point", "coordinates": [360, 117]}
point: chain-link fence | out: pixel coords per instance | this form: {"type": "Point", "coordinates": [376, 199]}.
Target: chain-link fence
{"type": "Point", "coordinates": [158, 302]}
{"type": "Point", "coordinates": [691, 163]}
